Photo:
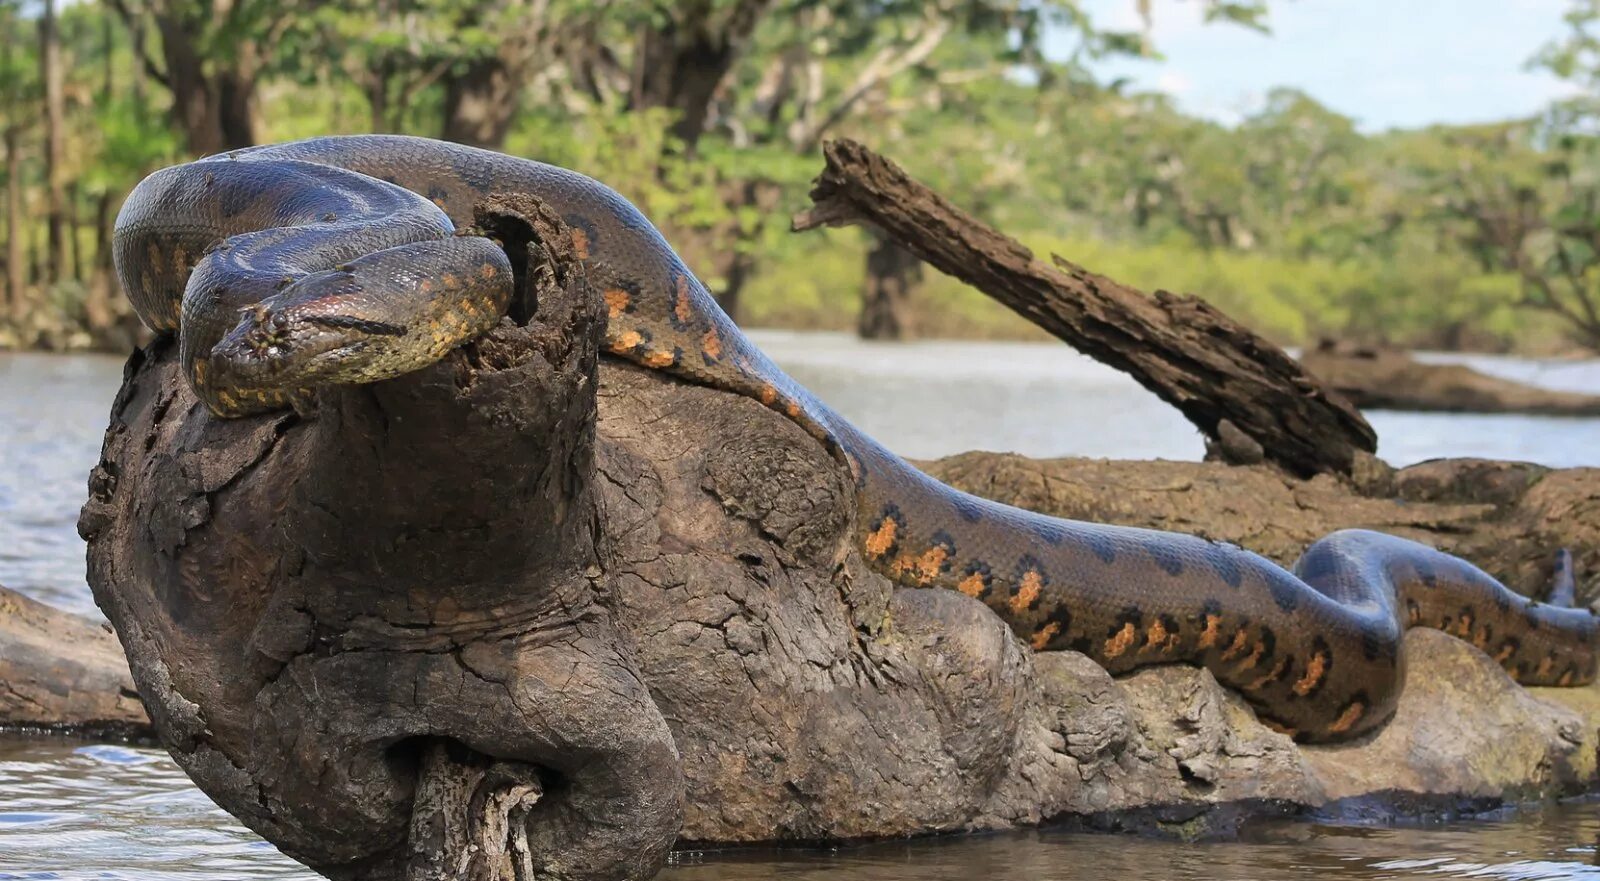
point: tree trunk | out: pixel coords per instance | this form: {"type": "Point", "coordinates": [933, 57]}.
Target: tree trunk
{"type": "Point", "coordinates": [480, 103]}
{"type": "Point", "coordinates": [215, 109]}
{"type": "Point", "coordinates": [509, 659]}
{"type": "Point", "coordinates": [74, 240]}
{"type": "Point", "coordinates": [891, 273]}
{"type": "Point", "coordinates": [681, 64]}
{"type": "Point", "coordinates": [55, 126]}
{"type": "Point", "coordinates": [1208, 366]}
{"type": "Point", "coordinates": [100, 303]}
{"type": "Point", "coordinates": [16, 261]}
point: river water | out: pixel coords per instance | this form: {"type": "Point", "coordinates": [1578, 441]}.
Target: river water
{"type": "Point", "coordinates": [69, 811]}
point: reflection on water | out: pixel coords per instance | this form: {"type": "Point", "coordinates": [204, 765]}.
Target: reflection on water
{"type": "Point", "coordinates": [101, 812]}
{"type": "Point", "coordinates": [69, 812]}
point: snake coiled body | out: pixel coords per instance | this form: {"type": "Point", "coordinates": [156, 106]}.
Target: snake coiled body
{"type": "Point", "coordinates": [338, 260]}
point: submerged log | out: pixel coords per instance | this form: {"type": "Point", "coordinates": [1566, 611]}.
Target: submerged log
{"type": "Point", "coordinates": [1387, 379]}
{"type": "Point", "coordinates": [63, 673]}
{"type": "Point", "coordinates": [1215, 371]}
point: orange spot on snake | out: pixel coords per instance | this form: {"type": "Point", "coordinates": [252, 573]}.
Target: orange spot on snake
{"type": "Point", "coordinates": [1255, 657]}
{"type": "Point", "coordinates": [658, 359]}
{"type": "Point", "coordinates": [711, 344]}
{"type": "Point", "coordinates": [1042, 638]}
{"type": "Point", "coordinates": [627, 342]}
{"type": "Point", "coordinates": [1464, 626]}
{"type": "Point", "coordinates": [1315, 670]}
{"type": "Point", "coordinates": [1546, 664]}
{"type": "Point", "coordinates": [1208, 637]}
{"type": "Point", "coordinates": [1566, 679]}
{"type": "Point", "coordinates": [580, 243]}
{"type": "Point", "coordinates": [1348, 718]}
{"type": "Point", "coordinates": [768, 395]}
{"type": "Point", "coordinates": [1240, 641]}
{"type": "Point", "coordinates": [683, 308]}
{"type": "Point", "coordinates": [1283, 664]}
{"type": "Point", "coordinates": [450, 280]}
{"type": "Point", "coordinates": [1156, 637]}
{"type": "Point", "coordinates": [1505, 653]}
{"type": "Point", "coordinates": [425, 286]}
{"type": "Point", "coordinates": [972, 585]}
{"type": "Point", "coordinates": [487, 271]}
{"type": "Point", "coordinates": [1120, 642]}
{"type": "Point", "coordinates": [931, 563]}
{"type": "Point", "coordinates": [880, 540]}
{"type": "Point", "coordinates": [792, 410]}
{"type": "Point", "coordinates": [616, 301]}
{"type": "Point", "coordinates": [1027, 592]}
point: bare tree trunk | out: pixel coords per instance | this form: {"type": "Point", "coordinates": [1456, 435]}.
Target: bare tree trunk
{"type": "Point", "coordinates": [74, 242]}
{"type": "Point", "coordinates": [891, 273]}
{"type": "Point", "coordinates": [480, 103]}
{"type": "Point", "coordinates": [99, 304]}
{"type": "Point", "coordinates": [216, 110]}
{"type": "Point", "coordinates": [139, 77]}
{"type": "Point", "coordinates": [16, 282]}
{"type": "Point", "coordinates": [55, 123]}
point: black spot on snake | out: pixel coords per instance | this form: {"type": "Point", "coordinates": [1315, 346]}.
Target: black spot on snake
{"type": "Point", "coordinates": [1285, 591]}
{"type": "Point", "coordinates": [1169, 558]}
{"type": "Point", "coordinates": [1103, 545]}
{"type": "Point", "coordinates": [1051, 533]}
{"type": "Point", "coordinates": [1224, 560]}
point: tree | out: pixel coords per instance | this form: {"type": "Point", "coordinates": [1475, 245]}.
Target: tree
{"type": "Point", "coordinates": [213, 57]}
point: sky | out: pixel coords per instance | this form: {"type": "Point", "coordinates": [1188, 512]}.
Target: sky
{"type": "Point", "coordinates": [1386, 63]}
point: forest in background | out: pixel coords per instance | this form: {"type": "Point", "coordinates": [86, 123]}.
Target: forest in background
{"type": "Point", "coordinates": [709, 114]}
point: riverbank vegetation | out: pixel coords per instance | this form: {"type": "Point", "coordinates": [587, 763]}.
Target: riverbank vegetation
{"type": "Point", "coordinates": [710, 114]}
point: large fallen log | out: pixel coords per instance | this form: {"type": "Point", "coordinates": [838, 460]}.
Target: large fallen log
{"type": "Point", "coordinates": [63, 673]}
{"type": "Point", "coordinates": [1386, 379]}
{"type": "Point", "coordinates": [1225, 378]}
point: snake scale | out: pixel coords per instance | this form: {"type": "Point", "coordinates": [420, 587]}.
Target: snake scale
{"type": "Point", "coordinates": [337, 260]}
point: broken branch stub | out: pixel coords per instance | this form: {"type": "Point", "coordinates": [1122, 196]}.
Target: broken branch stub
{"type": "Point", "coordinates": [1188, 353]}
{"type": "Point", "coordinates": [373, 635]}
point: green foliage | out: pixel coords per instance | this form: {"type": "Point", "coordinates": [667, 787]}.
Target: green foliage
{"type": "Point", "coordinates": [1293, 220]}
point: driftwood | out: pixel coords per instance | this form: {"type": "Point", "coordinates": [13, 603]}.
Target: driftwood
{"type": "Point", "coordinates": [63, 673]}
{"type": "Point", "coordinates": [1213, 369]}
{"type": "Point", "coordinates": [1387, 379]}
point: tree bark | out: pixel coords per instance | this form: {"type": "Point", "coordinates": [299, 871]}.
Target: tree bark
{"type": "Point", "coordinates": [891, 273]}
{"type": "Point", "coordinates": [1190, 355]}
{"type": "Point", "coordinates": [54, 131]}
{"type": "Point", "coordinates": [303, 646]}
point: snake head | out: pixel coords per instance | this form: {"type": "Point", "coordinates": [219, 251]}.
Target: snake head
{"type": "Point", "coordinates": [321, 329]}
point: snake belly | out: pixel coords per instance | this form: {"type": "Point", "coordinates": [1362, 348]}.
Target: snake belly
{"type": "Point", "coordinates": [1316, 650]}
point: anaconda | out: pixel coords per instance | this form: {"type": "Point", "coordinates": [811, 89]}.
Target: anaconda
{"type": "Point", "coordinates": [337, 260]}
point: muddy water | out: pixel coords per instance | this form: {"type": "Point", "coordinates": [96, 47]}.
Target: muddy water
{"type": "Point", "coordinates": [101, 812]}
